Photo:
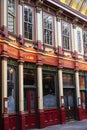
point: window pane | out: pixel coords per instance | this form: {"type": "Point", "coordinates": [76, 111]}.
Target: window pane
{"type": "Point", "coordinates": [10, 23]}
{"type": "Point", "coordinates": [11, 89]}
{"type": "Point", "coordinates": [79, 41]}
{"type": "Point", "coordinates": [66, 35]}
{"type": "Point", "coordinates": [11, 15]}
{"type": "Point", "coordinates": [28, 22]}
{"type": "Point", "coordinates": [48, 26]}
{"type": "Point", "coordinates": [49, 96]}
{"type": "Point", "coordinates": [85, 41]}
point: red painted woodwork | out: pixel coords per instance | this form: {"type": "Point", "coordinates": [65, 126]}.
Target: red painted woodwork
{"type": "Point", "coordinates": [60, 51]}
{"type": "Point", "coordinates": [75, 55]}
{"type": "Point", "coordinates": [84, 113]}
{"type": "Point", "coordinates": [38, 45]}
{"type": "Point", "coordinates": [51, 117]}
{"type": "Point", "coordinates": [12, 121]}
{"type": "Point", "coordinates": [41, 119]}
{"type": "Point", "coordinates": [32, 112]}
{"type": "Point", "coordinates": [26, 120]}
{"type": "Point", "coordinates": [5, 122]}
{"type": "Point", "coordinates": [50, 60]}
{"type": "Point", "coordinates": [79, 111]}
{"type": "Point", "coordinates": [62, 115]}
{"type": "Point", "coordinates": [21, 121]}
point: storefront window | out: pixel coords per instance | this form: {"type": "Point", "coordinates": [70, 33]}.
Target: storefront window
{"type": "Point", "coordinates": [49, 96]}
{"type": "Point", "coordinates": [82, 91]}
{"type": "Point", "coordinates": [11, 89]}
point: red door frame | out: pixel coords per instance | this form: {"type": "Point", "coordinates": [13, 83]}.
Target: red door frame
{"type": "Point", "coordinates": [32, 112]}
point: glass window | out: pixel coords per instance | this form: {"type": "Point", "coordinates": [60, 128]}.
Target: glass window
{"type": "Point", "coordinates": [29, 77]}
{"type": "Point", "coordinates": [11, 89]}
{"type": "Point", "coordinates": [68, 80]}
{"type": "Point", "coordinates": [11, 15]}
{"type": "Point", "coordinates": [49, 96]}
{"type": "Point", "coordinates": [66, 35]}
{"type": "Point", "coordinates": [79, 41]}
{"type": "Point", "coordinates": [28, 22]}
{"type": "Point", "coordinates": [85, 41]}
{"type": "Point", "coordinates": [48, 29]}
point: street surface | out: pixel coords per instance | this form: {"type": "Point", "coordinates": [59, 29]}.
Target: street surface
{"type": "Point", "coordinates": [75, 125]}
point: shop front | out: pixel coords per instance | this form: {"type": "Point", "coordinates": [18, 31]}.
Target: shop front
{"type": "Point", "coordinates": [50, 95]}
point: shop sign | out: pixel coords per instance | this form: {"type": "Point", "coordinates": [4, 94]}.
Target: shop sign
{"type": "Point", "coordinates": [30, 57]}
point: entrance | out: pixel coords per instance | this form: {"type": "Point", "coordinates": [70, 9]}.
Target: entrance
{"type": "Point", "coordinates": [69, 102]}
{"type": "Point", "coordinates": [30, 105]}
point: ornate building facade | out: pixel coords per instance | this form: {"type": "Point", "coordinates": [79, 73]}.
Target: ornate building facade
{"type": "Point", "coordinates": [43, 63]}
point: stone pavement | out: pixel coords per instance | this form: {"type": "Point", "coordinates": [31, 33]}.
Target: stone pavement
{"type": "Point", "coordinates": [75, 125]}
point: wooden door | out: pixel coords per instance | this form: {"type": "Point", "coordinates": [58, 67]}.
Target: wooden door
{"type": "Point", "coordinates": [31, 94]}
{"type": "Point", "coordinates": [69, 101]}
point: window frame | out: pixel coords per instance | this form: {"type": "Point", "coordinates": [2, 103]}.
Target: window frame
{"type": "Point", "coordinates": [84, 43]}
{"type": "Point", "coordinates": [15, 26]}
{"type": "Point", "coordinates": [53, 38]}
{"type": "Point", "coordinates": [33, 19]}
{"type": "Point", "coordinates": [70, 39]}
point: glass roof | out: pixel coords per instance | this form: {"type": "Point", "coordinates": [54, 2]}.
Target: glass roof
{"type": "Point", "coordinates": [79, 5]}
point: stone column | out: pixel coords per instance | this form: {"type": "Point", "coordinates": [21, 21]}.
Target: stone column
{"type": "Point", "coordinates": [61, 97]}
{"type": "Point", "coordinates": [5, 118]}
{"type": "Point", "coordinates": [75, 45]}
{"type": "Point", "coordinates": [4, 17]}
{"type": "Point", "coordinates": [20, 24]}
{"type": "Point", "coordinates": [78, 98]}
{"type": "Point", "coordinates": [40, 94]}
{"type": "Point", "coordinates": [39, 33]}
{"type": "Point", "coordinates": [21, 94]}
{"type": "Point", "coordinates": [59, 36]}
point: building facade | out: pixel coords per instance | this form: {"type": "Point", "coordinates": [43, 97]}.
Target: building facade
{"type": "Point", "coordinates": [43, 63]}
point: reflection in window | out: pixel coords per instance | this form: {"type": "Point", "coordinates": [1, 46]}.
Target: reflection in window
{"type": "Point", "coordinates": [66, 35]}
{"type": "Point", "coordinates": [29, 77]}
{"type": "Point", "coordinates": [28, 22]}
{"type": "Point", "coordinates": [11, 89]}
{"type": "Point", "coordinates": [68, 80]}
{"type": "Point", "coordinates": [48, 29]}
{"type": "Point", "coordinates": [49, 99]}
{"type": "Point", "coordinates": [11, 15]}
{"type": "Point", "coordinates": [85, 41]}
{"type": "Point", "coordinates": [79, 41]}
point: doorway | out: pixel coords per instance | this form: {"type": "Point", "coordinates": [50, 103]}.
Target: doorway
{"type": "Point", "coordinates": [30, 106]}
{"type": "Point", "coordinates": [69, 102]}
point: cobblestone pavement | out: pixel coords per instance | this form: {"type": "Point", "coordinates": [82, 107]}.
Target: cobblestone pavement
{"type": "Point", "coordinates": [75, 125]}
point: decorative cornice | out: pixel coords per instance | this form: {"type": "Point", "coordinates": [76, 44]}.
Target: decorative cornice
{"type": "Point", "coordinates": [68, 9]}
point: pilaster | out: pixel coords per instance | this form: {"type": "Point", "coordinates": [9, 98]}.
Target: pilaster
{"type": "Point", "coordinates": [39, 34]}
{"type": "Point", "coordinates": [61, 96]}
{"type": "Point", "coordinates": [21, 93]}
{"type": "Point", "coordinates": [4, 30]}
{"type": "Point", "coordinates": [78, 98]}
{"type": "Point", "coordinates": [40, 92]}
